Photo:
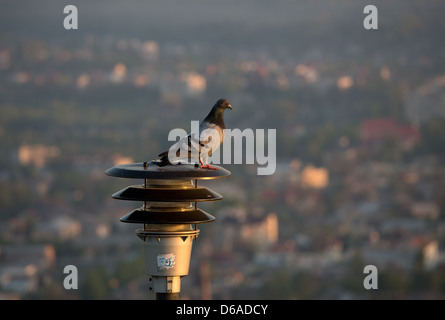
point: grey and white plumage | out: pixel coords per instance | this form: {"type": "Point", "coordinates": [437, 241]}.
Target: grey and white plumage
{"type": "Point", "coordinates": [210, 135]}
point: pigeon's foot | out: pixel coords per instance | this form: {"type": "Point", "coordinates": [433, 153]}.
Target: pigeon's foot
{"type": "Point", "coordinates": [208, 166]}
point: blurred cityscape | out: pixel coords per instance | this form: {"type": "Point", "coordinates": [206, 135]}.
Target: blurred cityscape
{"type": "Point", "coordinates": [360, 119]}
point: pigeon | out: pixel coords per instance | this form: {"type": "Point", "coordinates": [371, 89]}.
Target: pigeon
{"type": "Point", "coordinates": [210, 129]}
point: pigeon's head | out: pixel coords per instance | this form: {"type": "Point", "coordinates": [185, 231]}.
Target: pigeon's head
{"type": "Point", "coordinates": [216, 115]}
{"type": "Point", "coordinates": [223, 104]}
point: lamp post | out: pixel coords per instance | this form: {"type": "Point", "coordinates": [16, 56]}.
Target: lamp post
{"type": "Point", "coordinates": [169, 215]}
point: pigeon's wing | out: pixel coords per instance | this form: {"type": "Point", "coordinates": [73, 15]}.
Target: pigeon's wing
{"type": "Point", "coordinates": [186, 148]}
{"type": "Point", "coordinates": [210, 139]}
{"type": "Point", "coordinates": [179, 151]}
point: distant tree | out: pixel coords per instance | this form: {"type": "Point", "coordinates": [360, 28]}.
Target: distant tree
{"type": "Point", "coordinates": [353, 279]}
{"type": "Point", "coordinates": [433, 136]}
{"type": "Point", "coordinates": [393, 284]}
{"type": "Point", "coordinates": [129, 270]}
{"type": "Point", "coordinates": [95, 285]}
{"type": "Point", "coordinates": [292, 285]}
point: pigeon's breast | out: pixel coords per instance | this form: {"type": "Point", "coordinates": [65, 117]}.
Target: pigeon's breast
{"type": "Point", "coordinates": [213, 132]}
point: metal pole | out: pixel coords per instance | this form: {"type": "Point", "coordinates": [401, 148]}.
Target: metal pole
{"type": "Point", "coordinates": [167, 296]}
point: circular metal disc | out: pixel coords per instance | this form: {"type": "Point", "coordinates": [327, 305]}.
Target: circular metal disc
{"type": "Point", "coordinates": [159, 217]}
{"type": "Point", "coordinates": [139, 193]}
{"type": "Point", "coordinates": [152, 171]}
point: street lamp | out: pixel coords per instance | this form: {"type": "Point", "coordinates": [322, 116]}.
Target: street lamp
{"type": "Point", "coordinates": [169, 215]}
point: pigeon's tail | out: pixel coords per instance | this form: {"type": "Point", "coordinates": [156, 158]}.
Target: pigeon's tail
{"type": "Point", "coordinates": [164, 159]}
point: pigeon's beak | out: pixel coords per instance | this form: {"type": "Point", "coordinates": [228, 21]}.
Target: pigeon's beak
{"type": "Point", "coordinates": [229, 106]}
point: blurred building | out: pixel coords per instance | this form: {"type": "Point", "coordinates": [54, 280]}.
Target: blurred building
{"type": "Point", "coordinates": [262, 232]}
{"type": "Point", "coordinates": [378, 130]}
{"type": "Point", "coordinates": [430, 255]}
{"type": "Point", "coordinates": [37, 155]}
{"type": "Point", "coordinates": [312, 177]}
{"type": "Point", "coordinates": [59, 228]}
{"type": "Point", "coordinates": [22, 266]}
{"type": "Point", "coordinates": [425, 210]}
{"type": "Point", "coordinates": [239, 228]}
{"type": "Point", "coordinates": [426, 101]}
